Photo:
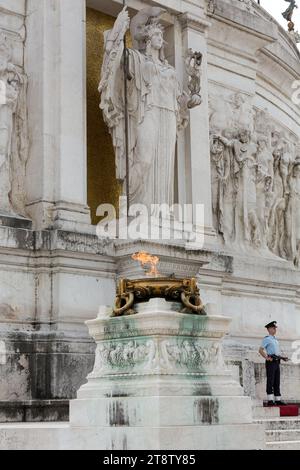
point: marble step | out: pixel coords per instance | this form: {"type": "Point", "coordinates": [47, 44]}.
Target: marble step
{"type": "Point", "coordinates": [265, 412]}
{"type": "Point", "coordinates": [283, 445]}
{"type": "Point", "coordinates": [280, 423]}
{"type": "Point", "coordinates": [62, 436]}
{"type": "Point", "coordinates": [34, 411]}
{"type": "Point", "coordinates": [283, 435]}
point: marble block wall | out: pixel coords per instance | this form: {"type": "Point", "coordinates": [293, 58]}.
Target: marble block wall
{"type": "Point", "coordinates": [51, 280]}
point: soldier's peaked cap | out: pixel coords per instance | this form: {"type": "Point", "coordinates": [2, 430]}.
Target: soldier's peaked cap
{"type": "Point", "coordinates": [272, 323]}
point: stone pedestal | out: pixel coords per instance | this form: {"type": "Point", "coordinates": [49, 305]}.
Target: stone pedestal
{"type": "Point", "coordinates": [160, 382]}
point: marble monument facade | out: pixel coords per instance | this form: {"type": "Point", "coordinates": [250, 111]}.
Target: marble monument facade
{"type": "Point", "coordinates": [239, 155]}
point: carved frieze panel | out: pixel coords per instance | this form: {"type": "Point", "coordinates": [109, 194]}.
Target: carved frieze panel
{"type": "Point", "coordinates": [155, 356]}
{"type": "Point", "coordinates": [255, 178]}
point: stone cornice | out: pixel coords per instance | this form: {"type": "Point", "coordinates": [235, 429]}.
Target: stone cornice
{"type": "Point", "coordinates": [194, 22]}
{"type": "Point", "coordinates": [244, 20]}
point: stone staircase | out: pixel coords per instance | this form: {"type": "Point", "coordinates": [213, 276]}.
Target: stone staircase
{"type": "Point", "coordinates": [281, 433]}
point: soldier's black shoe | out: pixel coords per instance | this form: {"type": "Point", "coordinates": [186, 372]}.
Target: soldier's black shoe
{"type": "Point", "coordinates": [280, 403]}
{"type": "Point", "coordinates": [271, 403]}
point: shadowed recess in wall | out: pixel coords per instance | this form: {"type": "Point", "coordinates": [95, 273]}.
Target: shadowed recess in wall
{"type": "Point", "coordinates": [103, 186]}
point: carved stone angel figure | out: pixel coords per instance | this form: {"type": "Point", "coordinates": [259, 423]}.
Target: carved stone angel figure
{"type": "Point", "coordinates": [157, 108]}
{"type": "Point", "coordinates": [13, 134]}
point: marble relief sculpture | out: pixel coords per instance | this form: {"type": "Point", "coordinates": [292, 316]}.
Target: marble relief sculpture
{"type": "Point", "coordinates": [294, 210]}
{"type": "Point", "coordinates": [264, 181]}
{"type": "Point", "coordinates": [221, 162]}
{"type": "Point", "coordinates": [255, 181]}
{"type": "Point", "coordinates": [247, 226]}
{"type": "Point", "coordinates": [157, 107]}
{"type": "Point", "coordinates": [13, 134]}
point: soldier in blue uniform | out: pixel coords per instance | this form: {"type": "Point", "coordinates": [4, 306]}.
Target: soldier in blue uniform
{"type": "Point", "coordinates": [270, 351]}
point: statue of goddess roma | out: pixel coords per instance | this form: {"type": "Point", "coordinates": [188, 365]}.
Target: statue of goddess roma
{"type": "Point", "coordinates": [157, 107]}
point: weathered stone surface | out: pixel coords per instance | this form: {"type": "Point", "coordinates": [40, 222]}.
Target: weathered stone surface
{"type": "Point", "coordinates": [34, 411]}
{"type": "Point", "coordinates": [164, 361]}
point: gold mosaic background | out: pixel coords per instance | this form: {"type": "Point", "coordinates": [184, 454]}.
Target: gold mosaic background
{"type": "Point", "coordinates": [103, 186]}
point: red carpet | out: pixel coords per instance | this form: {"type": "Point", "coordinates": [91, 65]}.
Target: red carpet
{"type": "Point", "coordinates": [289, 410]}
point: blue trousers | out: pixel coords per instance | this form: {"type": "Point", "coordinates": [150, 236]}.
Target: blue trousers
{"type": "Point", "coordinates": [273, 378]}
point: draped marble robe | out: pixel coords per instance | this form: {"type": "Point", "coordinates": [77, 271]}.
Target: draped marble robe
{"type": "Point", "coordinates": [13, 135]}
{"type": "Point", "coordinates": [247, 224]}
{"type": "Point", "coordinates": [294, 212]}
{"type": "Point", "coordinates": [156, 110]}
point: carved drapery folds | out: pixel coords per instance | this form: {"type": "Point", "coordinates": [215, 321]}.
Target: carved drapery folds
{"type": "Point", "coordinates": [13, 133]}
{"type": "Point", "coordinates": [157, 106]}
{"type": "Point", "coordinates": [255, 179]}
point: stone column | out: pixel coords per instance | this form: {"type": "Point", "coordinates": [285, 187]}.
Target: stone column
{"type": "Point", "coordinates": [197, 146]}
{"type": "Point", "coordinates": [55, 64]}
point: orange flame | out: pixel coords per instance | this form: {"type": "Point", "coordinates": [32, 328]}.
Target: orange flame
{"type": "Point", "coordinates": [145, 258]}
